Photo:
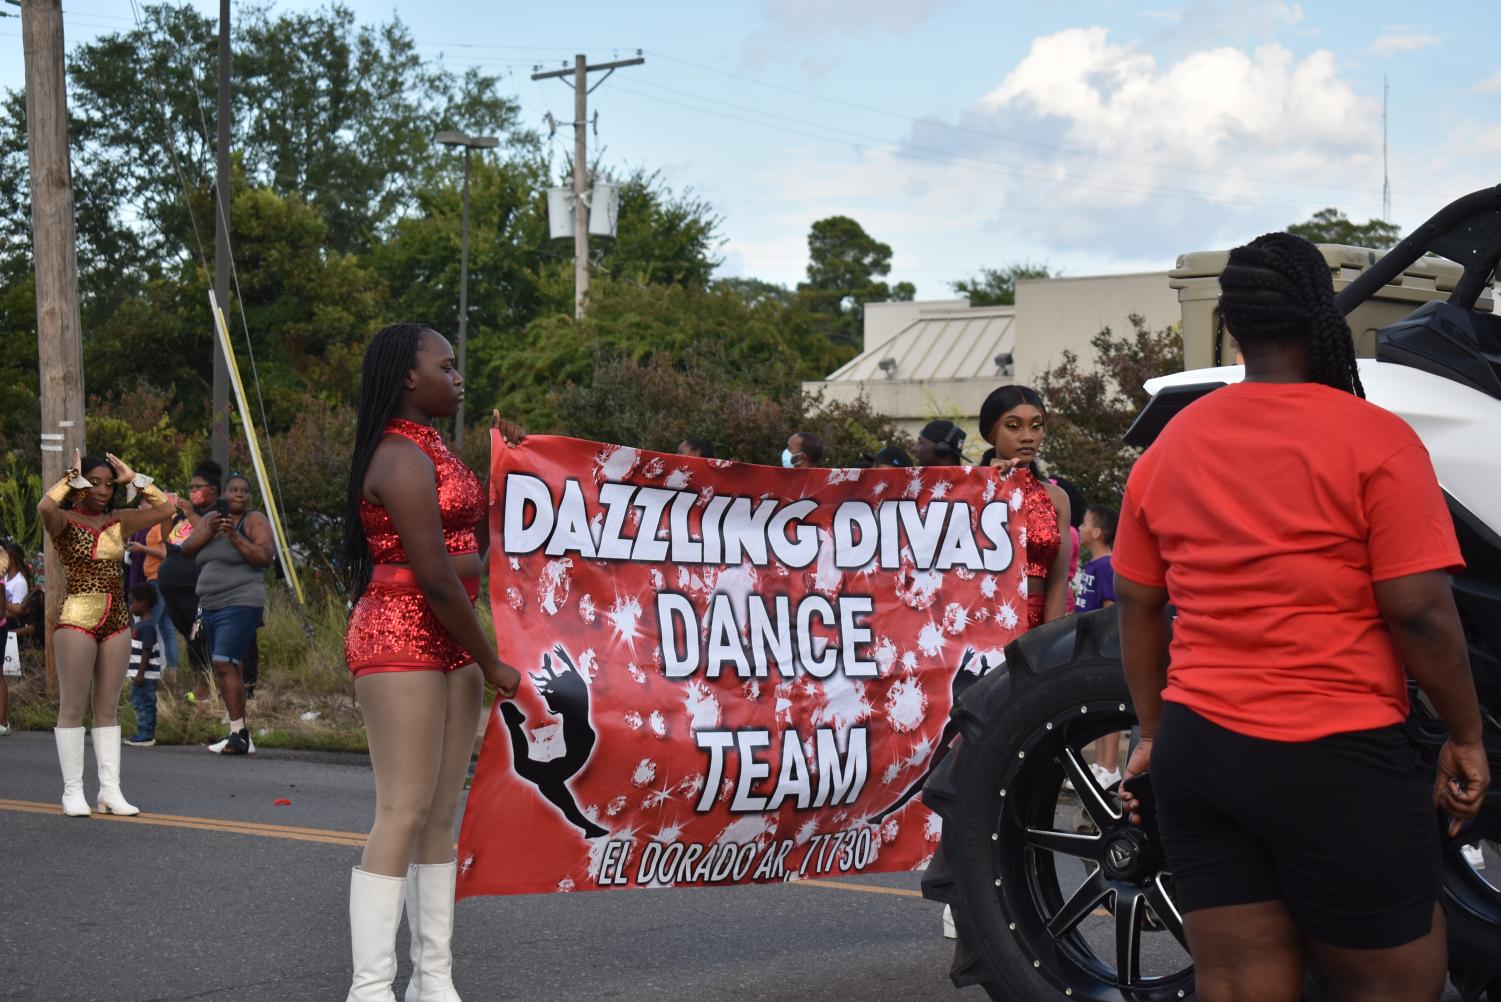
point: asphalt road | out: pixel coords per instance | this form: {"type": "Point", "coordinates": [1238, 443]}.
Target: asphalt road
{"type": "Point", "coordinates": [240, 900]}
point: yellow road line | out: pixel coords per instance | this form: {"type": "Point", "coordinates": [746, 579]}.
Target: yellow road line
{"type": "Point", "coordinates": [333, 837]}
{"type": "Point", "coordinates": [294, 834]}
{"type": "Point", "coordinates": [867, 888]}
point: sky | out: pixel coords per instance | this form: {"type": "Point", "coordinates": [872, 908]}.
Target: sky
{"type": "Point", "coordinates": [1094, 137]}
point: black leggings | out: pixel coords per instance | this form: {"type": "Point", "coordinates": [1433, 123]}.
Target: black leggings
{"type": "Point", "coordinates": [182, 609]}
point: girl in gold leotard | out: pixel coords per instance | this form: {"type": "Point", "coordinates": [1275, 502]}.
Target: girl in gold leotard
{"type": "Point", "coordinates": [92, 639]}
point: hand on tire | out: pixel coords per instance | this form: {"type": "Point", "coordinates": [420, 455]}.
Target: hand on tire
{"type": "Point", "coordinates": [1463, 777]}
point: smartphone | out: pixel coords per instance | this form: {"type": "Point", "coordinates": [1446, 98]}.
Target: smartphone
{"type": "Point", "coordinates": [221, 508]}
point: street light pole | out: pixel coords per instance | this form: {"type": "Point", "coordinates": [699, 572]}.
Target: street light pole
{"type": "Point", "coordinates": [469, 143]}
{"type": "Point", "coordinates": [458, 431]}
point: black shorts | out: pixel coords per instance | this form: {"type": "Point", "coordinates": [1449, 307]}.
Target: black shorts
{"type": "Point", "coordinates": [1342, 829]}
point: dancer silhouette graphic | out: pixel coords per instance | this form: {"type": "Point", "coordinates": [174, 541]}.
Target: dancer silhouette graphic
{"type": "Point", "coordinates": [567, 697]}
{"type": "Point", "coordinates": [972, 668]}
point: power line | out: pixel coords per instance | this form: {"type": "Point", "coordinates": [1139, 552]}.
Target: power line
{"type": "Point", "coordinates": [932, 155]}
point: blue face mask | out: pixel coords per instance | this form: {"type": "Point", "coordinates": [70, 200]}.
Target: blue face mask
{"type": "Point", "coordinates": [787, 457]}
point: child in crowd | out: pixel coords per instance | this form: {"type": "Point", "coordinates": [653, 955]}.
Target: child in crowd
{"type": "Point", "coordinates": [1097, 591]}
{"type": "Point", "coordinates": [145, 663]}
{"type": "Point", "coordinates": [1097, 535]}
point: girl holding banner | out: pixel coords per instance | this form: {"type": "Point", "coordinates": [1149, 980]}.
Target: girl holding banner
{"type": "Point", "coordinates": [1013, 419]}
{"type": "Point", "coordinates": [419, 655]}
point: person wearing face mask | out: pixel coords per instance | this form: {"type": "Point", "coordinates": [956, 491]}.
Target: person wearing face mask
{"type": "Point", "coordinates": [233, 548]}
{"type": "Point", "coordinates": [92, 638]}
{"type": "Point", "coordinates": [804, 451]}
{"type": "Point", "coordinates": [177, 577]}
{"type": "Point", "coordinates": [1013, 420]}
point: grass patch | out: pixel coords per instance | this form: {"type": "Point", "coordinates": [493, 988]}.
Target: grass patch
{"type": "Point", "coordinates": [304, 698]}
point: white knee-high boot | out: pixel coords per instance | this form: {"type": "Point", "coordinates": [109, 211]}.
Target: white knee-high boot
{"type": "Point", "coordinates": [107, 758]}
{"type": "Point", "coordinates": [430, 919]}
{"type": "Point", "coordinates": [374, 913]}
{"type": "Point", "coordinates": [70, 758]}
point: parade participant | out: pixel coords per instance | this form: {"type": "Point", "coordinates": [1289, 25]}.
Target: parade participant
{"type": "Point", "coordinates": [940, 443]}
{"type": "Point", "coordinates": [15, 588]}
{"type": "Point", "coordinates": [698, 448]}
{"type": "Point", "coordinates": [1013, 419]}
{"type": "Point", "coordinates": [419, 655]}
{"type": "Point", "coordinates": [92, 638]}
{"type": "Point", "coordinates": [1303, 539]}
{"type": "Point", "coordinates": [233, 548]}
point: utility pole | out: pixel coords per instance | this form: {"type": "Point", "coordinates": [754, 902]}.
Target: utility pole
{"type": "Point", "coordinates": [55, 258]}
{"type": "Point", "coordinates": [453, 137]}
{"type": "Point", "coordinates": [581, 91]}
{"type": "Point", "coordinates": [222, 187]}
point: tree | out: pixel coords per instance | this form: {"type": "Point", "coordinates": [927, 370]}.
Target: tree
{"type": "Point", "coordinates": [844, 267]}
{"type": "Point", "coordinates": [1089, 411]}
{"type": "Point", "coordinates": [997, 286]}
{"type": "Point", "coordinates": [1331, 226]}
{"type": "Point", "coordinates": [773, 346]}
{"type": "Point", "coordinates": [662, 237]}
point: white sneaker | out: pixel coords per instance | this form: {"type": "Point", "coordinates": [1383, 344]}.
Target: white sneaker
{"type": "Point", "coordinates": [1474, 856]}
{"type": "Point", "coordinates": [1107, 778]}
{"type": "Point", "coordinates": [949, 931]}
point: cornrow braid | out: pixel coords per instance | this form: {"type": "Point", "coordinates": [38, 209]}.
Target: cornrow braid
{"type": "Point", "coordinates": [392, 353]}
{"type": "Point", "coordinates": [1277, 288]}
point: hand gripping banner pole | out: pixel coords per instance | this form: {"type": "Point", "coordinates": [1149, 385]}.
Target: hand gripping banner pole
{"type": "Point", "coordinates": [278, 534]}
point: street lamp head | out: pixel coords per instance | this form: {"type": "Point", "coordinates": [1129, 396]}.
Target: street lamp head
{"type": "Point", "coordinates": [452, 137]}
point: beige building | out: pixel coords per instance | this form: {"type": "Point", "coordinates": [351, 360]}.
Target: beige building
{"type": "Point", "coordinates": [941, 358]}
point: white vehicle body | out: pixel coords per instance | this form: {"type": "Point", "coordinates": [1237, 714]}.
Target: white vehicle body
{"type": "Point", "coordinates": [1459, 425]}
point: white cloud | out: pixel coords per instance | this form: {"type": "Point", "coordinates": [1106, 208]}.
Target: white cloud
{"type": "Point", "coordinates": [1104, 156]}
{"type": "Point", "coordinates": [1490, 85]}
{"type": "Point", "coordinates": [1404, 41]}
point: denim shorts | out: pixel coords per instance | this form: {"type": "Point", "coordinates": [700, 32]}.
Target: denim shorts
{"type": "Point", "coordinates": [231, 631]}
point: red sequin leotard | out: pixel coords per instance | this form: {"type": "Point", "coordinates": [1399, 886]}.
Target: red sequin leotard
{"type": "Point", "coordinates": [392, 627]}
{"type": "Point", "coordinates": [1040, 518]}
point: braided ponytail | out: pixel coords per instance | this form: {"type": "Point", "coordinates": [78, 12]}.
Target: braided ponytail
{"type": "Point", "coordinates": [1277, 288]}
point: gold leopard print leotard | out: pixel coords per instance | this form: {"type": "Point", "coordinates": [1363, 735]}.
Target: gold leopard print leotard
{"type": "Point", "coordinates": [93, 561]}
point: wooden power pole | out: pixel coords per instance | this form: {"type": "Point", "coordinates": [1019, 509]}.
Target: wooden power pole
{"type": "Point", "coordinates": [55, 259]}
{"type": "Point", "coordinates": [581, 90]}
{"type": "Point", "coordinates": [223, 185]}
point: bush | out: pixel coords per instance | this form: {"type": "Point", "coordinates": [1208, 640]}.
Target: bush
{"type": "Point", "coordinates": [747, 413]}
{"type": "Point", "coordinates": [1089, 412]}
{"type": "Point", "coordinates": [20, 492]}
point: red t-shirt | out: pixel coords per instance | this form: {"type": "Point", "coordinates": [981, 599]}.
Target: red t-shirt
{"type": "Point", "coordinates": [1268, 510]}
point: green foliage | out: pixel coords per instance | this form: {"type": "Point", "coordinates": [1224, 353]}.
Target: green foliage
{"type": "Point", "coordinates": [997, 286]}
{"type": "Point", "coordinates": [778, 340]}
{"type": "Point", "coordinates": [656, 403]}
{"type": "Point", "coordinates": [662, 237]}
{"type": "Point", "coordinates": [1331, 226]}
{"type": "Point", "coordinates": [1089, 411]}
{"type": "Point", "coordinates": [845, 265]}
{"type": "Point", "coordinates": [136, 425]}
{"type": "Point", "coordinates": [20, 493]}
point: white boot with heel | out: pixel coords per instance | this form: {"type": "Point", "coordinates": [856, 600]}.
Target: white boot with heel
{"type": "Point", "coordinates": [430, 919]}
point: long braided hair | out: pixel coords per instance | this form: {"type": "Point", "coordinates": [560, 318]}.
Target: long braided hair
{"type": "Point", "coordinates": [392, 353]}
{"type": "Point", "coordinates": [1277, 288]}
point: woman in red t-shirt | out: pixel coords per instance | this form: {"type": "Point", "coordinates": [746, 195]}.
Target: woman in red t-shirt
{"type": "Point", "coordinates": [1302, 538]}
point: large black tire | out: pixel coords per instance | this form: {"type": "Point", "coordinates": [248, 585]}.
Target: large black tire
{"type": "Point", "coordinates": [1004, 867]}
{"type": "Point", "coordinates": [1020, 734]}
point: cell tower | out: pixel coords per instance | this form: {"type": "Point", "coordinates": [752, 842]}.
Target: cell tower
{"type": "Point", "coordinates": [1386, 180]}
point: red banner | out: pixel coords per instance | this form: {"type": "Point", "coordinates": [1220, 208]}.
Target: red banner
{"type": "Point", "coordinates": [730, 673]}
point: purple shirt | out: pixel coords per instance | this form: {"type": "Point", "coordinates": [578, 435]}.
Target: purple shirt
{"type": "Point", "coordinates": [1098, 585]}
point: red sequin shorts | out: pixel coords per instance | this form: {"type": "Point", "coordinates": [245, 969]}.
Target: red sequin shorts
{"type": "Point", "coordinates": [393, 628]}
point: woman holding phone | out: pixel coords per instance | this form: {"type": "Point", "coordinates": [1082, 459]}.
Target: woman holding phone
{"type": "Point", "coordinates": [233, 547]}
